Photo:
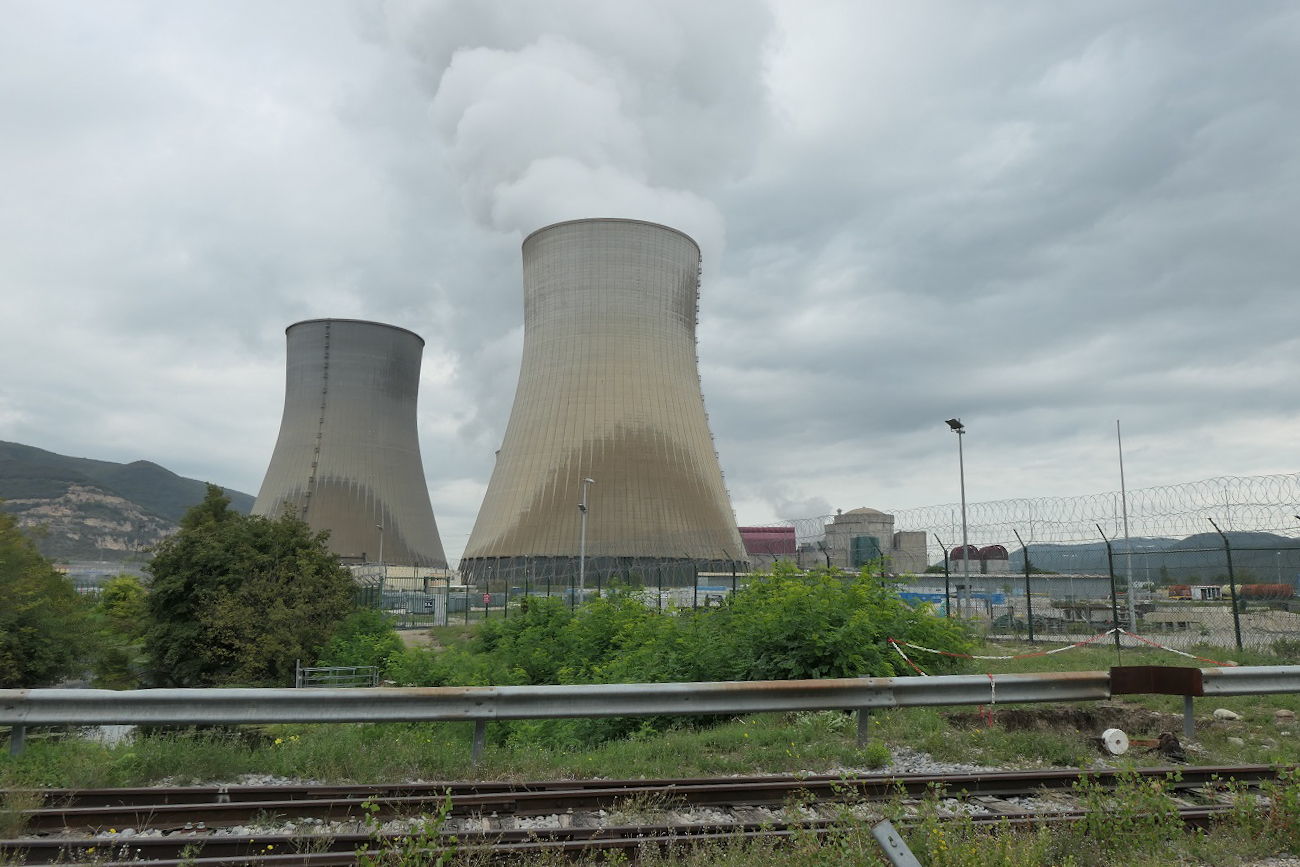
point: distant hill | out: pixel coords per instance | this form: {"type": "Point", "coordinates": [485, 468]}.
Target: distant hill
{"type": "Point", "coordinates": [1256, 557]}
{"type": "Point", "coordinates": [84, 509]}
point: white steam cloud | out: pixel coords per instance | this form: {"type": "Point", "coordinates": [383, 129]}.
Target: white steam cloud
{"type": "Point", "coordinates": [577, 110]}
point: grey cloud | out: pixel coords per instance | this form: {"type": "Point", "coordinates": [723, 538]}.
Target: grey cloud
{"type": "Point", "coordinates": [1040, 218]}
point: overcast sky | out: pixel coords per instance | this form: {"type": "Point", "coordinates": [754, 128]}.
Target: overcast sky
{"type": "Point", "coordinates": [1040, 217]}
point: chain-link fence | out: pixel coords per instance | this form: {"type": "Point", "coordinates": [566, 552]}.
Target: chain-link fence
{"type": "Point", "coordinates": [1214, 562]}
{"type": "Point", "coordinates": [441, 600]}
{"type": "Point", "coordinates": [1201, 563]}
{"type": "Point", "coordinates": [1179, 597]}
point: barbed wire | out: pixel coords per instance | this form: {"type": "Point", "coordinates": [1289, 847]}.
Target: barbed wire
{"type": "Point", "coordinates": [1237, 503]}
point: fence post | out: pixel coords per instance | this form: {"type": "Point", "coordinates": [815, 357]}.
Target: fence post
{"type": "Point", "coordinates": [1114, 601]}
{"type": "Point", "coordinates": [947, 589]}
{"type": "Point", "coordinates": [1029, 599]}
{"type": "Point", "coordinates": [1232, 583]}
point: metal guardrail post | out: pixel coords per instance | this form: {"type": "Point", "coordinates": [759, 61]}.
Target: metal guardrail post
{"type": "Point", "coordinates": [1189, 723]}
{"type": "Point", "coordinates": [480, 738]}
{"type": "Point", "coordinates": [17, 737]}
{"type": "Point", "coordinates": [891, 843]}
{"type": "Point", "coordinates": [864, 725]}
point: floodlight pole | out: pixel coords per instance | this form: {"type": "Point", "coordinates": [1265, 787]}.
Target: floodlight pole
{"type": "Point", "coordinates": [582, 542]}
{"type": "Point", "coordinates": [383, 570]}
{"type": "Point", "coordinates": [960, 429]}
{"type": "Point", "coordinates": [1128, 543]}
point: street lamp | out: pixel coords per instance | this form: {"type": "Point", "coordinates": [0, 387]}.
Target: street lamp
{"type": "Point", "coordinates": [582, 542]}
{"type": "Point", "coordinates": [960, 430]}
{"type": "Point", "coordinates": [383, 570]}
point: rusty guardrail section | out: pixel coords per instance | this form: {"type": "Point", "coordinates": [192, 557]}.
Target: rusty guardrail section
{"type": "Point", "coordinates": [20, 708]}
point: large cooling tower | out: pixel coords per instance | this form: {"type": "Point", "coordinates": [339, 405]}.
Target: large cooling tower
{"type": "Point", "coordinates": [609, 390]}
{"type": "Point", "coordinates": [348, 456]}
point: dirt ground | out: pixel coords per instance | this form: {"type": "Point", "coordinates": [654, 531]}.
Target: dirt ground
{"type": "Point", "coordinates": [418, 638]}
{"type": "Point", "coordinates": [1136, 721]}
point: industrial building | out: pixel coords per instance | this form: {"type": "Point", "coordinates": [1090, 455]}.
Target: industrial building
{"type": "Point", "coordinates": [766, 545]}
{"type": "Point", "coordinates": [860, 536]}
{"type": "Point", "coordinates": [607, 460]}
{"type": "Point", "coordinates": [347, 459]}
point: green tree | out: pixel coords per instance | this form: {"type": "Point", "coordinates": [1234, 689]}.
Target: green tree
{"type": "Point", "coordinates": [43, 632]}
{"type": "Point", "coordinates": [239, 599]}
{"type": "Point", "coordinates": [120, 619]}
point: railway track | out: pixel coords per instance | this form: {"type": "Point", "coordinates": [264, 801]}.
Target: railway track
{"type": "Point", "coordinates": [305, 824]}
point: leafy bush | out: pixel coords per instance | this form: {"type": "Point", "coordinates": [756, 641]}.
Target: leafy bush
{"type": "Point", "coordinates": [366, 637]}
{"type": "Point", "coordinates": [787, 625]}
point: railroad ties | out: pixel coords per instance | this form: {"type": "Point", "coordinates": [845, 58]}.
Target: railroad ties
{"type": "Point", "coordinates": [323, 825]}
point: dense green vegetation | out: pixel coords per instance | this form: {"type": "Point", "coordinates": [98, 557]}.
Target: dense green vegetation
{"type": "Point", "coordinates": [783, 626]}
{"type": "Point", "coordinates": [43, 632]}
{"type": "Point", "coordinates": [239, 599]}
{"type": "Point", "coordinates": [120, 619]}
{"type": "Point", "coordinates": [235, 599]}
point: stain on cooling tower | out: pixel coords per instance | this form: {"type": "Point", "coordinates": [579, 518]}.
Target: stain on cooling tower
{"type": "Point", "coordinates": [650, 499]}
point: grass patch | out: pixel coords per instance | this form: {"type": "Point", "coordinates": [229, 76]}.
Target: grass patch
{"type": "Point", "coordinates": [820, 742]}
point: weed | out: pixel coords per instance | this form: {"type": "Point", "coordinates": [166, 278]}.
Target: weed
{"type": "Point", "coordinates": [876, 754]}
{"type": "Point", "coordinates": [643, 808]}
{"type": "Point", "coordinates": [1137, 815]}
{"type": "Point", "coordinates": [13, 805]}
{"type": "Point", "coordinates": [416, 848]}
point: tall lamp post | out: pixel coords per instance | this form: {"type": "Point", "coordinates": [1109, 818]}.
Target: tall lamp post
{"type": "Point", "coordinates": [960, 429]}
{"type": "Point", "coordinates": [582, 539]}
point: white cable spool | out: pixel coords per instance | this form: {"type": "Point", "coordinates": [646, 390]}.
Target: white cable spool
{"type": "Point", "coordinates": [1115, 742]}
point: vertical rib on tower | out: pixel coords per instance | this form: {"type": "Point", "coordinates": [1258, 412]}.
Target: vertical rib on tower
{"type": "Point", "coordinates": [609, 390]}
{"type": "Point", "coordinates": [348, 456]}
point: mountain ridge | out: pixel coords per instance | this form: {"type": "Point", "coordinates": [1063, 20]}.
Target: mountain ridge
{"type": "Point", "coordinates": [84, 508]}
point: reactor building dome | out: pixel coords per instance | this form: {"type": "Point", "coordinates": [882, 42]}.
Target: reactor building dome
{"type": "Point", "coordinates": [348, 456]}
{"type": "Point", "coordinates": [607, 455]}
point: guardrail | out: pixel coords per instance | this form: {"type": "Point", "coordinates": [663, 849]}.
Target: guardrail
{"type": "Point", "coordinates": [161, 707]}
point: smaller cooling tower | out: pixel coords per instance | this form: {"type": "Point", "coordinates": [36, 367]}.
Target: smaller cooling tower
{"type": "Point", "coordinates": [348, 456]}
